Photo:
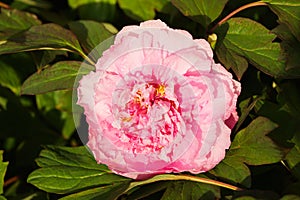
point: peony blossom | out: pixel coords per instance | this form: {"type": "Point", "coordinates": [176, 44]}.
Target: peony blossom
{"type": "Point", "coordinates": [158, 103]}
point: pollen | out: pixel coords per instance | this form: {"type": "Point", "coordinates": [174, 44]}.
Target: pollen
{"type": "Point", "coordinates": [161, 90]}
{"type": "Point", "coordinates": [126, 119]}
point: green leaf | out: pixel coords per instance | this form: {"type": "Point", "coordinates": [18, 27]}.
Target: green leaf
{"type": "Point", "coordinates": [233, 170]}
{"type": "Point", "coordinates": [290, 47]}
{"type": "Point", "coordinates": [109, 192]}
{"type": "Point", "coordinates": [203, 12]}
{"type": "Point", "coordinates": [2, 197]}
{"type": "Point", "coordinates": [3, 167]}
{"type": "Point", "coordinates": [91, 34]}
{"type": "Point", "coordinates": [66, 173]}
{"type": "Point", "coordinates": [242, 40]}
{"type": "Point", "coordinates": [250, 146]}
{"type": "Point", "coordinates": [288, 12]}
{"type": "Point", "coordinates": [9, 78]}
{"type": "Point", "coordinates": [290, 197]}
{"type": "Point", "coordinates": [67, 156]}
{"type": "Point", "coordinates": [43, 58]}
{"type": "Point", "coordinates": [285, 113]}
{"type": "Point", "coordinates": [179, 190]}
{"type": "Point", "coordinates": [41, 37]}
{"type": "Point", "coordinates": [57, 77]}
{"type": "Point", "coordinates": [293, 157]}
{"type": "Point", "coordinates": [99, 10]}
{"type": "Point", "coordinates": [147, 190]}
{"type": "Point", "coordinates": [142, 10]}
{"type": "Point", "coordinates": [14, 21]}
{"type": "Point", "coordinates": [57, 109]}
{"type": "Point", "coordinates": [253, 146]}
{"type": "Point", "coordinates": [13, 73]}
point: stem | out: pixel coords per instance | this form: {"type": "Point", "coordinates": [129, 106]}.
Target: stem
{"type": "Point", "coordinates": [253, 4]}
{"type": "Point", "coordinates": [11, 180]}
{"type": "Point", "coordinates": [171, 177]}
{"type": "Point", "coordinates": [86, 58]}
{"type": "Point", "coordinates": [3, 5]}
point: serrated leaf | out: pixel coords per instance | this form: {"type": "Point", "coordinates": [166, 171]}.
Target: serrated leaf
{"type": "Point", "coordinates": [14, 21]}
{"type": "Point", "coordinates": [248, 40]}
{"type": "Point", "coordinates": [142, 10]}
{"type": "Point", "coordinates": [60, 76]}
{"type": "Point", "coordinates": [293, 157]}
{"type": "Point", "coordinates": [233, 170]}
{"type": "Point", "coordinates": [180, 190]}
{"type": "Point", "coordinates": [99, 10]}
{"type": "Point", "coordinates": [290, 47]}
{"type": "Point", "coordinates": [285, 113]}
{"type": "Point", "coordinates": [250, 146]}
{"type": "Point", "coordinates": [3, 167]}
{"type": "Point", "coordinates": [63, 175]}
{"type": "Point", "coordinates": [288, 12]}
{"type": "Point", "coordinates": [110, 192]}
{"type": "Point", "coordinates": [203, 12]}
{"type": "Point", "coordinates": [41, 37]}
{"type": "Point", "coordinates": [253, 146]}
{"type": "Point", "coordinates": [91, 34]}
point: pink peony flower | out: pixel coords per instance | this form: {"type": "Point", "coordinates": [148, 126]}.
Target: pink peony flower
{"type": "Point", "coordinates": [157, 103]}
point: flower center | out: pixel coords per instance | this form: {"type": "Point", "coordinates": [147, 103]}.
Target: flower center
{"type": "Point", "coordinates": [150, 118]}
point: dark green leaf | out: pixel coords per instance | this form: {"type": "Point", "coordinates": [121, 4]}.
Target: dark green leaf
{"type": "Point", "coordinates": [285, 113]}
{"type": "Point", "coordinates": [181, 190]}
{"type": "Point", "coordinates": [293, 157]}
{"type": "Point", "coordinates": [245, 108]}
{"type": "Point", "coordinates": [91, 34]}
{"type": "Point", "coordinates": [244, 40]}
{"type": "Point", "coordinates": [233, 170]}
{"type": "Point", "coordinates": [250, 146]}
{"type": "Point", "coordinates": [43, 58]}
{"type": "Point", "coordinates": [109, 192]}
{"type": "Point", "coordinates": [147, 190]}
{"type": "Point", "coordinates": [3, 167]}
{"type": "Point", "coordinates": [99, 10]}
{"type": "Point", "coordinates": [255, 195]}
{"type": "Point", "coordinates": [203, 12]}
{"type": "Point", "coordinates": [57, 108]}
{"type": "Point", "coordinates": [41, 37]}
{"type": "Point", "coordinates": [290, 47]}
{"type": "Point", "coordinates": [288, 12]}
{"type": "Point", "coordinates": [66, 173]}
{"type": "Point", "coordinates": [14, 21]}
{"type": "Point", "coordinates": [142, 10]}
{"type": "Point", "coordinates": [9, 78]}
{"type": "Point", "coordinates": [57, 77]}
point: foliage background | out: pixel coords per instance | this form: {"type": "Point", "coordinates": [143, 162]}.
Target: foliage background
{"type": "Point", "coordinates": [42, 45]}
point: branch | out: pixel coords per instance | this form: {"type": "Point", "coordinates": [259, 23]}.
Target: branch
{"type": "Point", "coordinates": [259, 3]}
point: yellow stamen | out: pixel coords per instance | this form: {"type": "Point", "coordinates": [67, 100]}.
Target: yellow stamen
{"type": "Point", "coordinates": [161, 90]}
{"type": "Point", "coordinates": [126, 119]}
